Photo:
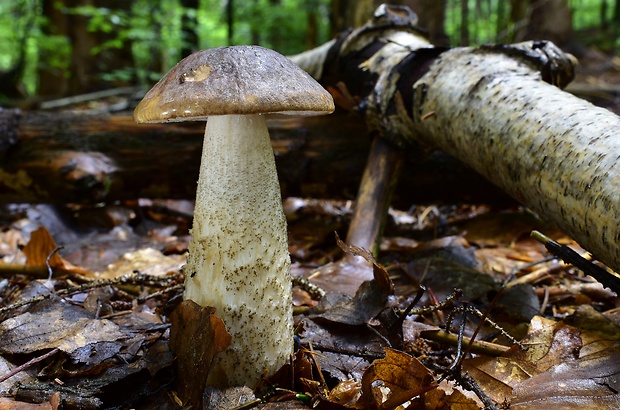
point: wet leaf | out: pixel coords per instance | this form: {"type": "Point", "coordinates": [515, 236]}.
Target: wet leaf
{"type": "Point", "coordinates": [342, 366]}
{"type": "Point", "coordinates": [358, 342]}
{"type": "Point", "coordinates": [448, 398]}
{"type": "Point", "coordinates": [343, 276]}
{"type": "Point", "coordinates": [347, 392]}
{"type": "Point", "coordinates": [497, 376]}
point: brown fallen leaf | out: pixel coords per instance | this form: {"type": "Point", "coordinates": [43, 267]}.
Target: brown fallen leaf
{"type": "Point", "coordinates": [562, 366]}
{"type": "Point", "coordinates": [55, 324]}
{"type": "Point", "coordinates": [204, 335]}
{"type": "Point", "coordinates": [10, 404]}
{"type": "Point", "coordinates": [591, 382]}
{"type": "Point", "coordinates": [369, 300]}
{"type": "Point", "coordinates": [402, 377]}
{"type": "Point", "coordinates": [347, 392]}
{"type": "Point", "coordinates": [41, 250]}
{"type": "Point", "coordinates": [447, 397]}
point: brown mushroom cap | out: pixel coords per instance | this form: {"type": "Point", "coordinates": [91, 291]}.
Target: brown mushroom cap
{"type": "Point", "coordinates": [233, 81]}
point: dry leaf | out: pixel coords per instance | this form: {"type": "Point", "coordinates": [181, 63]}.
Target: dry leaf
{"type": "Point", "coordinates": [402, 375]}
{"type": "Point", "coordinates": [369, 300]}
{"type": "Point", "coordinates": [41, 247]}
{"type": "Point", "coordinates": [148, 260]}
{"type": "Point", "coordinates": [70, 328]}
{"type": "Point", "coordinates": [591, 382]}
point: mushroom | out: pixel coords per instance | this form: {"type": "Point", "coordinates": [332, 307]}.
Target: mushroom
{"type": "Point", "coordinates": [238, 258]}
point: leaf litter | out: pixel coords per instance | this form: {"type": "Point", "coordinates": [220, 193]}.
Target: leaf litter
{"type": "Point", "coordinates": [96, 334]}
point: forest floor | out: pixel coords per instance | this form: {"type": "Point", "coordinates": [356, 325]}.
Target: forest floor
{"type": "Point", "coordinates": [598, 79]}
{"type": "Point", "coordinates": [525, 329]}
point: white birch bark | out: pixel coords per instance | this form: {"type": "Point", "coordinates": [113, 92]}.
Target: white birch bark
{"type": "Point", "coordinates": [552, 151]}
{"type": "Point", "coordinates": [493, 108]}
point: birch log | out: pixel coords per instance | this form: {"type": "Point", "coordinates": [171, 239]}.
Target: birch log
{"type": "Point", "coordinates": [499, 109]}
{"type": "Point", "coordinates": [550, 150]}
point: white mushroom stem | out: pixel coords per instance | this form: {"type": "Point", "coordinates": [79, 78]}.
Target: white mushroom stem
{"type": "Point", "coordinates": [238, 256]}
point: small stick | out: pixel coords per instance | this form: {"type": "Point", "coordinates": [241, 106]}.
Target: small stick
{"type": "Point", "coordinates": [607, 279]}
{"type": "Point", "coordinates": [478, 346]}
{"type": "Point", "coordinates": [28, 364]}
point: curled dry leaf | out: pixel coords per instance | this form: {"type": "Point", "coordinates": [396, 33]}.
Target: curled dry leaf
{"type": "Point", "coordinates": [370, 299]}
{"type": "Point", "coordinates": [41, 247]}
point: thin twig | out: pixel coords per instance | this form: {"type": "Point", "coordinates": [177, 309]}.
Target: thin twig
{"type": "Point", "coordinates": [28, 364]}
{"type": "Point", "coordinates": [609, 279]}
{"type": "Point", "coordinates": [47, 262]}
{"type": "Point", "coordinates": [131, 278]}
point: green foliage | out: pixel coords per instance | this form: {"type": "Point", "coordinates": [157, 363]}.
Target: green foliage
{"type": "Point", "coordinates": [488, 21]}
{"type": "Point", "coordinates": [153, 30]}
{"type": "Point", "coordinates": [279, 24]}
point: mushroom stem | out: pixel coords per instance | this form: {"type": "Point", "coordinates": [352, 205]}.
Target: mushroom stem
{"type": "Point", "coordinates": [238, 258]}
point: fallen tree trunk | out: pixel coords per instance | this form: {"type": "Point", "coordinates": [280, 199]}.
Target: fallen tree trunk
{"type": "Point", "coordinates": [493, 108]}
{"type": "Point", "coordinates": [59, 157]}
{"type": "Point", "coordinates": [550, 150]}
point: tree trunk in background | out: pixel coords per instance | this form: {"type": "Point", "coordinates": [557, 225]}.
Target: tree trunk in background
{"type": "Point", "coordinates": [189, 23]}
{"type": "Point", "coordinates": [313, 29]}
{"type": "Point", "coordinates": [518, 18]}
{"type": "Point", "coordinates": [276, 38]}
{"type": "Point", "coordinates": [347, 14]}
{"type": "Point", "coordinates": [115, 58]}
{"type": "Point", "coordinates": [542, 19]}
{"type": "Point", "coordinates": [464, 29]}
{"type": "Point", "coordinates": [82, 65]}
{"type": "Point", "coordinates": [85, 67]}
{"type": "Point", "coordinates": [230, 19]}
{"type": "Point", "coordinates": [615, 22]}
{"type": "Point", "coordinates": [432, 16]}
{"type": "Point", "coordinates": [502, 22]}
{"type": "Point", "coordinates": [52, 81]}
